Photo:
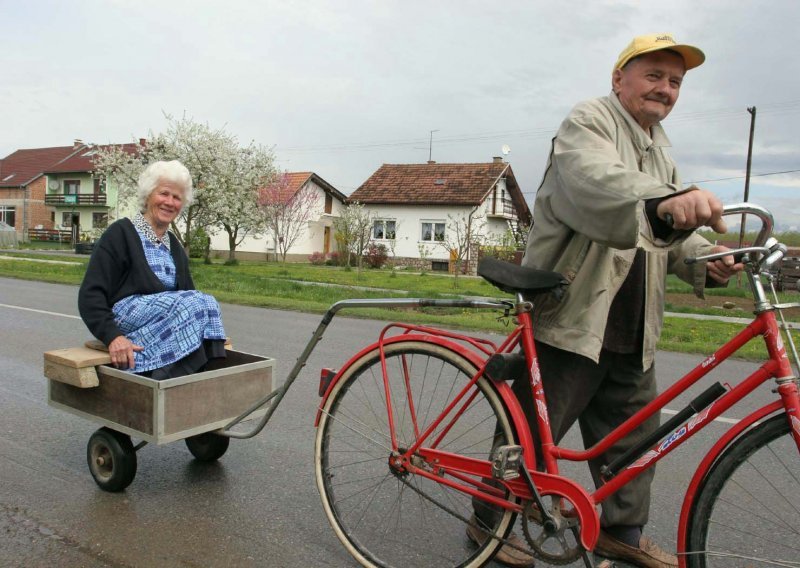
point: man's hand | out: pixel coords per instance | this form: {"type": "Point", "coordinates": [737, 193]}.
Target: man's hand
{"type": "Point", "coordinates": [722, 269]}
{"type": "Point", "coordinates": [121, 351]}
{"type": "Point", "coordinates": [693, 209]}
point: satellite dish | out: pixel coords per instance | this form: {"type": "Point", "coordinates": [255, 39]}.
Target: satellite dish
{"type": "Point", "coordinates": [506, 149]}
{"type": "Point", "coordinates": [53, 184]}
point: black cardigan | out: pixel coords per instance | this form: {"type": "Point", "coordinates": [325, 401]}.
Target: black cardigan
{"type": "Point", "coordinates": [118, 269]}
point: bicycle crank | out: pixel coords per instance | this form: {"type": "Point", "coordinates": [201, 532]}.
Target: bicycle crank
{"type": "Point", "coordinates": [557, 542]}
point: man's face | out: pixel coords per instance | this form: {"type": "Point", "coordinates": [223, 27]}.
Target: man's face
{"type": "Point", "coordinates": [648, 86]}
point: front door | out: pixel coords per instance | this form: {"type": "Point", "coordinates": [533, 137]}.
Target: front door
{"type": "Point", "coordinates": [326, 241]}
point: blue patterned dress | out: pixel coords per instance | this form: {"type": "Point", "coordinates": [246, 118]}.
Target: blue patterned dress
{"type": "Point", "coordinates": [169, 325]}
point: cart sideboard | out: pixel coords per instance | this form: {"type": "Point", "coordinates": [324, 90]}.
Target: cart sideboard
{"type": "Point", "coordinates": [162, 411]}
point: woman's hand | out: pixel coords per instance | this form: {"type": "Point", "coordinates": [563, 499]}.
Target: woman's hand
{"type": "Point", "coordinates": [121, 350]}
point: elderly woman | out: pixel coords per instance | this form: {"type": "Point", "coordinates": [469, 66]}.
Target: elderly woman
{"type": "Point", "coordinates": [137, 296]}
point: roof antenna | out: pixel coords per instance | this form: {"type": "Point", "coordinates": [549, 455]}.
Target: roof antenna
{"type": "Point", "coordinates": [430, 146]}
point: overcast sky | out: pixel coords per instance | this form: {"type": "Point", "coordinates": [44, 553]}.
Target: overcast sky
{"type": "Point", "coordinates": [340, 88]}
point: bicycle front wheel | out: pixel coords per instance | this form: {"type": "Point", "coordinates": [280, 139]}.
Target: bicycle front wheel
{"type": "Point", "coordinates": [390, 518]}
{"type": "Point", "coordinates": [748, 510]}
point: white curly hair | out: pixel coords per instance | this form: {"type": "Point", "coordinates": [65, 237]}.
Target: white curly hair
{"type": "Point", "coordinates": [173, 172]}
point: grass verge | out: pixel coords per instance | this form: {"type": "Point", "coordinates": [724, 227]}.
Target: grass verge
{"type": "Point", "coordinates": [314, 289]}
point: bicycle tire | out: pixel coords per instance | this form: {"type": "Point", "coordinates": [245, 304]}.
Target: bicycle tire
{"type": "Point", "coordinates": [383, 520]}
{"type": "Point", "coordinates": [747, 511]}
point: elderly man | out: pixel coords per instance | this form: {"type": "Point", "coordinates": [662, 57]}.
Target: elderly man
{"type": "Point", "coordinates": [599, 219]}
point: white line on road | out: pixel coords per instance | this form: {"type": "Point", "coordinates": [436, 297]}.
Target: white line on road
{"type": "Point", "coordinates": [4, 257]}
{"type": "Point", "coordinates": [39, 311]}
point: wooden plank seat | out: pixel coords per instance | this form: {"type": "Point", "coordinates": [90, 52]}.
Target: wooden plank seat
{"type": "Point", "coordinates": [76, 365]}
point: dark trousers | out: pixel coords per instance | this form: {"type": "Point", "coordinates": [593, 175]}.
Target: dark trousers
{"type": "Point", "coordinates": [600, 396]}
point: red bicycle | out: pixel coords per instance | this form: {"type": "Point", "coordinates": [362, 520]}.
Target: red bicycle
{"type": "Point", "coordinates": [417, 428]}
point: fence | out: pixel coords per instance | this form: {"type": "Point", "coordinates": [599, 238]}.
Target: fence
{"type": "Point", "coordinates": [51, 235]}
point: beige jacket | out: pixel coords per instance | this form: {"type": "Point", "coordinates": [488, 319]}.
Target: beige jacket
{"type": "Point", "coordinates": [589, 219]}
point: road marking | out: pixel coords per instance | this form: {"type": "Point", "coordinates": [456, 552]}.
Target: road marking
{"type": "Point", "coordinates": [4, 257]}
{"type": "Point", "coordinates": [40, 311]}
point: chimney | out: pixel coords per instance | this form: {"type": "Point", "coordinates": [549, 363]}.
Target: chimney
{"type": "Point", "coordinates": [142, 141]}
{"type": "Point", "coordinates": [497, 159]}
{"type": "Point", "coordinates": [77, 143]}
{"type": "Point", "coordinates": [431, 162]}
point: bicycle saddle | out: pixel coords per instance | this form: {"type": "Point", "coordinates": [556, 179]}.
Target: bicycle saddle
{"type": "Point", "coordinates": [514, 279]}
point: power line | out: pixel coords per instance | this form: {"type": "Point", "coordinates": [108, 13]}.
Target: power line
{"type": "Point", "coordinates": [785, 107]}
{"type": "Point", "coordinates": [742, 177]}
{"type": "Point", "coordinates": [715, 179]}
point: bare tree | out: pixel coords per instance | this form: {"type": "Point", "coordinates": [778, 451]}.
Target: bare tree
{"type": "Point", "coordinates": [463, 232]}
{"type": "Point", "coordinates": [287, 212]}
{"type": "Point", "coordinates": [354, 230]}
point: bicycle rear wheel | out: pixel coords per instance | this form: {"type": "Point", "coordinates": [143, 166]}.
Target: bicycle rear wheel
{"type": "Point", "coordinates": [748, 510]}
{"type": "Point", "coordinates": [387, 518]}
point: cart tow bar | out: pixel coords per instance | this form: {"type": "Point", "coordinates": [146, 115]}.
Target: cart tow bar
{"type": "Point", "coordinates": [276, 396]}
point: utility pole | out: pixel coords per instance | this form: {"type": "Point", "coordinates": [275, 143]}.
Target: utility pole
{"type": "Point", "coordinates": [752, 111]}
{"type": "Point", "coordinates": [430, 146]}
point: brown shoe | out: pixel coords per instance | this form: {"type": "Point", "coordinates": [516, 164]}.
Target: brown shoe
{"type": "Point", "coordinates": [506, 554]}
{"type": "Point", "coordinates": [648, 555]}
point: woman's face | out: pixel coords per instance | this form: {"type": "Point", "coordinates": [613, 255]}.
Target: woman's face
{"type": "Point", "coordinates": [164, 204]}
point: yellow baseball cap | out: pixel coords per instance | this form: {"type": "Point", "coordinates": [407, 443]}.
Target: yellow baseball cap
{"type": "Point", "coordinates": [692, 56]}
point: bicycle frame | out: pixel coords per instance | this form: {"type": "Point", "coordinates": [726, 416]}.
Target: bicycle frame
{"type": "Point", "coordinates": [467, 473]}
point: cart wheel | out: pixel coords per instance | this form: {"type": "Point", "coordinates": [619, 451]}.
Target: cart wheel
{"type": "Point", "coordinates": [208, 447]}
{"type": "Point", "coordinates": [112, 459]}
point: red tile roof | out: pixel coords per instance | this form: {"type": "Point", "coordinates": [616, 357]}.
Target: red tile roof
{"type": "Point", "coordinates": [82, 161]}
{"type": "Point", "coordinates": [296, 180]}
{"type": "Point", "coordinates": [430, 184]}
{"type": "Point", "coordinates": [24, 166]}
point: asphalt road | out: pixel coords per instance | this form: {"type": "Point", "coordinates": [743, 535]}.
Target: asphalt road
{"type": "Point", "coordinates": [258, 506]}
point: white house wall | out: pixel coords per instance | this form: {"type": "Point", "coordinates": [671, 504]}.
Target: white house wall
{"type": "Point", "coordinates": [310, 241]}
{"type": "Point", "coordinates": [408, 226]}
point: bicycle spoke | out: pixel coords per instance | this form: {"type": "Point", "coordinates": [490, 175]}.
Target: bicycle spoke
{"type": "Point", "coordinates": [748, 510]}
{"type": "Point", "coordinates": [389, 517]}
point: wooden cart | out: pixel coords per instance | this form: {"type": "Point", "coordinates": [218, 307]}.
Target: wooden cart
{"type": "Point", "coordinates": [190, 408]}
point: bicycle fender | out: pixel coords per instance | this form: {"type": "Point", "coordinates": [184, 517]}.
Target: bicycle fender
{"type": "Point", "coordinates": [705, 467]}
{"type": "Point", "coordinates": [474, 358]}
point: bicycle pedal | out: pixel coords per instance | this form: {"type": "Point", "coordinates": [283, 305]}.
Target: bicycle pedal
{"type": "Point", "coordinates": [506, 462]}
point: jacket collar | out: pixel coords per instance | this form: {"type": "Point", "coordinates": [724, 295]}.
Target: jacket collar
{"type": "Point", "coordinates": [642, 139]}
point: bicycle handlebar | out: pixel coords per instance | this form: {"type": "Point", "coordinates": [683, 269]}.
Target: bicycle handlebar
{"type": "Point", "coordinates": [767, 221]}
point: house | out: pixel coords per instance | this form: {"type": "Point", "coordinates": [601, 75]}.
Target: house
{"type": "Point", "coordinates": [82, 202]}
{"type": "Point", "coordinates": [51, 189]}
{"type": "Point", "coordinates": [316, 236]}
{"type": "Point", "coordinates": [23, 186]}
{"type": "Point", "coordinates": [420, 208]}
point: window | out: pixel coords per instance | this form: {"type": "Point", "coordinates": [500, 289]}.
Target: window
{"type": "Point", "coordinates": [72, 186]}
{"type": "Point", "coordinates": [433, 231]}
{"type": "Point", "coordinates": [384, 229]}
{"type": "Point", "coordinates": [7, 214]}
{"type": "Point", "coordinates": [99, 185]}
{"type": "Point", "coordinates": [66, 219]}
{"type": "Point", "coordinates": [99, 220]}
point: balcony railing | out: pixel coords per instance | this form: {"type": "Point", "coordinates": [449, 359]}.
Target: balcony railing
{"type": "Point", "coordinates": [75, 199]}
{"type": "Point", "coordinates": [501, 208]}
